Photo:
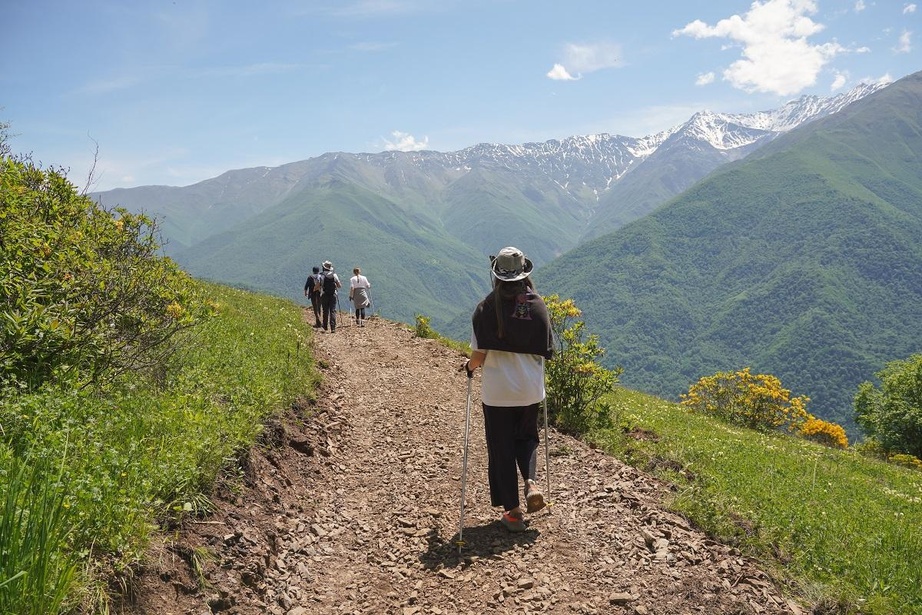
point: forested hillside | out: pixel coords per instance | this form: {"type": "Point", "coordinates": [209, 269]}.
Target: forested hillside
{"type": "Point", "coordinates": [803, 261]}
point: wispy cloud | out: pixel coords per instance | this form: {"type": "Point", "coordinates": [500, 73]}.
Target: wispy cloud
{"type": "Point", "coordinates": [777, 56]}
{"type": "Point", "coordinates": [405, 142]}
{"type": "Point", "coordinates": [909, 8]}
{"type": "Point", "coordinates": [579, 59]}
{"type": "Point", "coordinates": [839, 82]}
{"type": "Point", "coordinates": [705, 78]}
{"type": "Point", "coordinates": [905, 43]}
{"type": "Point", "coordinates": [860, 6]}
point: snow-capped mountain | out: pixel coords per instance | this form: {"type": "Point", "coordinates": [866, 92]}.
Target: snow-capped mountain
{"type": "Point", "coordinates": [597, 163]}
{"type": "Point", "coordinates": [571, 190]}
{"type": "Point", "coordinates": [732, 130]}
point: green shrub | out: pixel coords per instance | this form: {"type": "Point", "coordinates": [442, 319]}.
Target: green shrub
{"type": "Point", "coordinates": [84, 293]}
{"type": "Point", "coordinates": [423, 329]}
{"type": "Point", "coordinates": [907, 461]}
{"type": "Point", "coordinates": [756, 401]}
{"type": "Point", "coordinates": [892, 414]}
{"type": "Point", "coordinates": [824, 432]}
{"type": "Point", "coordinates": [575, 379]}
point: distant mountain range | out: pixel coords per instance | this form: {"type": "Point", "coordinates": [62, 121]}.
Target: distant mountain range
{"type": "Point", "coordinates": [421, 225]}
{"type": "Point", "coordinates": [562, 192]}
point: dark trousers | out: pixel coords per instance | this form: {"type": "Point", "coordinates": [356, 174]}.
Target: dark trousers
{"type": "Point", "coordinates": [512, 443]}
{"type": "Point", "coordinates": [328, 303]}
{"type": "Point", "coordinates": [315, 304]}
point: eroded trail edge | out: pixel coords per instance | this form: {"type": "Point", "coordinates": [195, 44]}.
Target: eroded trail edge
{"type": "Point", "coordinates": [352, 506]}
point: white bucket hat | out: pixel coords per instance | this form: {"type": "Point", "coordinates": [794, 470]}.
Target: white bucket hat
{"type": "Point", "coordinates": [510, 265]}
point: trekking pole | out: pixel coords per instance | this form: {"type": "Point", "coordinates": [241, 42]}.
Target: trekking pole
{"type": "Point", "coordinates": [467, 431]}
{"type": "Point", "coordinates": [547, 455]}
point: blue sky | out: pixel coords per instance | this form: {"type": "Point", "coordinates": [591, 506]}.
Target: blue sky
{"type": "Point", "coordinates": [175, 92]}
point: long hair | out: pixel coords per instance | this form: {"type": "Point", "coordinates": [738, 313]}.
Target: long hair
{"type": "Point", "coordinates": [503, 292]}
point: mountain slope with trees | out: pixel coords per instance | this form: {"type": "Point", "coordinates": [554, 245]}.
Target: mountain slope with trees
{"type": "Point", "coordinates": [467, 204]}
{"type": "Point", "coordinates": [803, 261]}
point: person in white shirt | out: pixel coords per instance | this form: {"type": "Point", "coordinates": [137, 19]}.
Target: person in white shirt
{"type": "Point", "coordinates": [511, 339]}
{"type": "Point", "coordinates": [359, 295]}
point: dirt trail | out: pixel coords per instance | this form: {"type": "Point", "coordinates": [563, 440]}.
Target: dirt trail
{"type": "Point", "coordinates": [354, 509]}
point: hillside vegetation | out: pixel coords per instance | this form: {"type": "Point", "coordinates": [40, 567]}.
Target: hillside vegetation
{"type": "Point", "coordinates": [90, 474]}
{"type": "Point", "coordinates": [126, 388]}
{"type": "Point", "coordinates": [802, 261]}
{"type": "Point", "coordinates": [842, 528]}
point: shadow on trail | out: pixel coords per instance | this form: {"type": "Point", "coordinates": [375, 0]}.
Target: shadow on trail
{"type": "Point", "coordinates": [481, 541]}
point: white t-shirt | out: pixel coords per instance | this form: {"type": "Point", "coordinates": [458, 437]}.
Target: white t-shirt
{"type": "Point", "coordinates": [359, 281]}
{"type": "Point", "coordinates": [511, 378]}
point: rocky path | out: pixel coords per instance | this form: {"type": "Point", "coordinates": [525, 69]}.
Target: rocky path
{"type": "Point", "coordinates": [352, 507]}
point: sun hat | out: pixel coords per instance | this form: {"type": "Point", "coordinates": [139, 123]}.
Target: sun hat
{"type": "Point", "coordinates": [510, 265]}
{"type": "Point", "coordinates": [327, 265]}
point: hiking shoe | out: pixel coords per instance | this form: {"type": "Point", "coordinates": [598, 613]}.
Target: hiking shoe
{"type": "Point", "coordinates": [514, 522]}
{"type": "Point", "coordinates": [534, 499]}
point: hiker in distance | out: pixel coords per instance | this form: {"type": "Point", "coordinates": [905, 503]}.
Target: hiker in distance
{"type": "Point", "coordinates": [328, 286]}
{"type": "Point", "coordinates": [358, 295]}
{"type": "Point", "coordinates": [511, 339]}
{"type": "Point", "coordinates": [312, 292]}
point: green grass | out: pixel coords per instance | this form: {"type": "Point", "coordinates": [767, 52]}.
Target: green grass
{"type": "Point", "coordinates": [112, 466]}
{"type": "Point", "coordinates": [37, 572]}
{"type": "Point", "coordinates": [843, 529]}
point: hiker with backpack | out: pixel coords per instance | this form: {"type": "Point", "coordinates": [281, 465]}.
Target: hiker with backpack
{"type": "Point", "coordinates": [358, 295]}
{"type": "Point", "coordinates": [511, 339]}
{"type": "Point", "coordinates": [328, 285]}
{"type": "Point", "coordinates": [312, 292]}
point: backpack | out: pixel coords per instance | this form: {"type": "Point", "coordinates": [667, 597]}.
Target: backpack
{"type": "Point", "coordinates": [329, 283]}
{"type": "Point", "coordinates": [311, 285]}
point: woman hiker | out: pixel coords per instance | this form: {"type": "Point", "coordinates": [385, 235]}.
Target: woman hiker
{"type": "Point", "coordinates": [511, 339]}
{"type": "Point", "coordinates": [358, 295]}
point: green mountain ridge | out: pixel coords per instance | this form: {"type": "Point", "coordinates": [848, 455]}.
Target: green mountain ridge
{"type": "Point", "coordinates": [804, 260]}
{"type": "Point", "coordinates": [337, 222]}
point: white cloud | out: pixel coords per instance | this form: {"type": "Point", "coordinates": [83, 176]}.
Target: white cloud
{"type": "Point", "coordinates": [559, 73]}
{"type": "Point", "coordinates": [905, 43]}
{"type": "Point", "coordinates": [705, 79]}
{"type": "Point", "coordinates": [839, 82]}
{"type": "Point", "coordinates": [580, 59]}
{"type": "Point", "coordinates": [860, 6]}
{"type": "Point", "coordinates": [909, 8]}
{"type": "Point", "coordinates": [405, 142]}
{"type": "Point", "coordinates": [776, 54]}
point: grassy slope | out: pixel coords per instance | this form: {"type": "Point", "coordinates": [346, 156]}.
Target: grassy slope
{"type": "Point", "coordinates": [840, 527]}
{"type": "Point", "coordinates": [139, 453]}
